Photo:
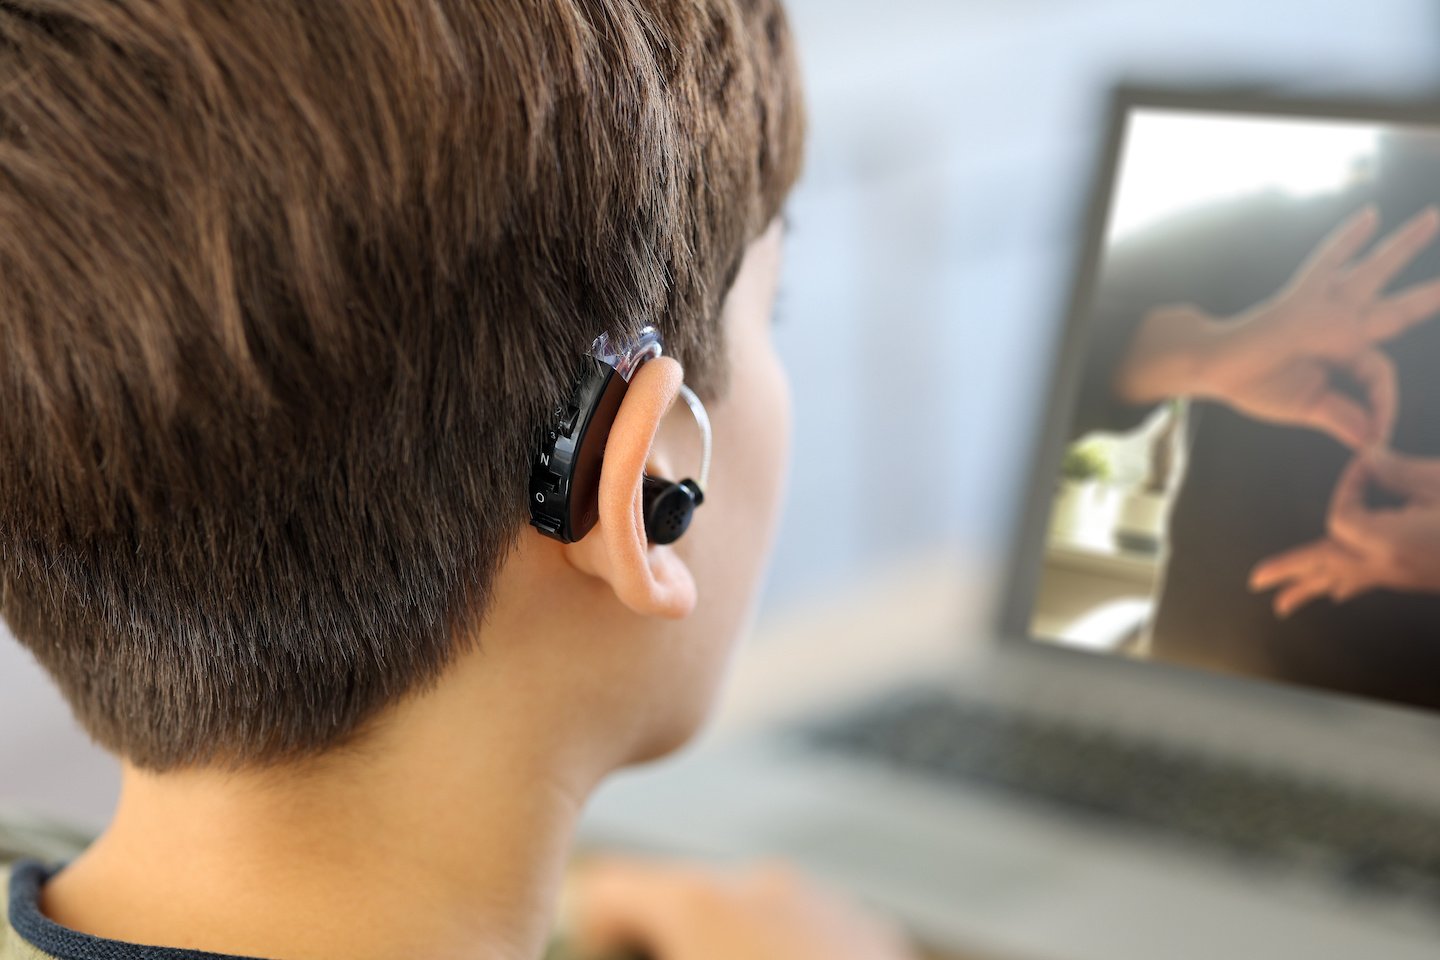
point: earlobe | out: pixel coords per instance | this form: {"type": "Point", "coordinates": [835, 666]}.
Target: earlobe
{"type": "Point", "coordinates": [650, 580]}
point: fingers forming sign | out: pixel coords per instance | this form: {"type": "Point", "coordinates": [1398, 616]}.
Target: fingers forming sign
{"type": "Point", "coordinates": [1366, 547]}
{"type": "Point", "coordinates": [1287, 360]}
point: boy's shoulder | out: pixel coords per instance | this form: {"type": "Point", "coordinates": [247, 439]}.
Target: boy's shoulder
{"type": "Point", "coordinates": [12, 945]}
{"type": "Point", "coordinates": [29, 839]}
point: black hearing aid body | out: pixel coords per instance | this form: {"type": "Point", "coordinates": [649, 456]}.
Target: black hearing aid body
{"type": "Point", "coordinates": [565, 476]}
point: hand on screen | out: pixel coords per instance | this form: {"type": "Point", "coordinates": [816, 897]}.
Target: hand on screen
{"type": "Point", "coordinates": [687, 913]}
{"type": "Point", "coordinates": [1282, 360]}
{"type": "Point", "coordinates": [1367, 548]}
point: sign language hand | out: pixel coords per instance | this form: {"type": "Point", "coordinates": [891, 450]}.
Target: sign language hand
{"type": "Point", "coordinates": [1287, 360]}
{"type": "Point", "coordinates": [1367, 548]}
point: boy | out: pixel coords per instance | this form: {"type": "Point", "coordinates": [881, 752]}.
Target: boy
{"type": "Point", "coordinates": [288, 292]}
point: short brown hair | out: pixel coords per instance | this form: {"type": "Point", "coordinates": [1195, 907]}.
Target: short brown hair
{"type": "Point", "coordinates": [286, 291]}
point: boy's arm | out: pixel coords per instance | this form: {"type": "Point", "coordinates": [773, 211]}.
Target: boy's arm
{"type": "Point", "coordinates": [680, 912]}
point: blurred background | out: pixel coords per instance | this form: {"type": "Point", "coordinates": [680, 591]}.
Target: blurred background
{"type": "Point", "coordinates": [951, 149]}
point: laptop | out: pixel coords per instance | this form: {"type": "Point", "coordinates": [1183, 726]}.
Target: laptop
{"type": "Point", "coordinates": [1144, 757]}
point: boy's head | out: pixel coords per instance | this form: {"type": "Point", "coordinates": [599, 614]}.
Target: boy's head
{"type": "Point", "coordinates": [287, 292]}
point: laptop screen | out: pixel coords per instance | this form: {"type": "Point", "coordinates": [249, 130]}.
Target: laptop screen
{"type": "Point", "coordinates": [1243, 473]}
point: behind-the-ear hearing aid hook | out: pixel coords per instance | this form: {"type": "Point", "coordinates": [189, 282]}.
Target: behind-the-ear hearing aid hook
{"type": "Point", "coordinates": [669, 506]}
{"type": "Point", "coordinates": [702, 420]}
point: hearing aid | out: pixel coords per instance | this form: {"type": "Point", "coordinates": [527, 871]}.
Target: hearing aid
{"type": "Point", "coordinates": [565, 475]}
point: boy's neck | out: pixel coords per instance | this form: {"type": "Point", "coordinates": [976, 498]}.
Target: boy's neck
{"type": "Point", "coordinates": [441, 835]}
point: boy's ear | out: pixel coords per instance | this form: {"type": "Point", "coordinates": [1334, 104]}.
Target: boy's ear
{"type": "Point", "coordinates": [650, 580]}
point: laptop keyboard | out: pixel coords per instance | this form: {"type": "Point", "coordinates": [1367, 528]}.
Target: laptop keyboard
{"type": "Point", "coordinates": [1366, 841]}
